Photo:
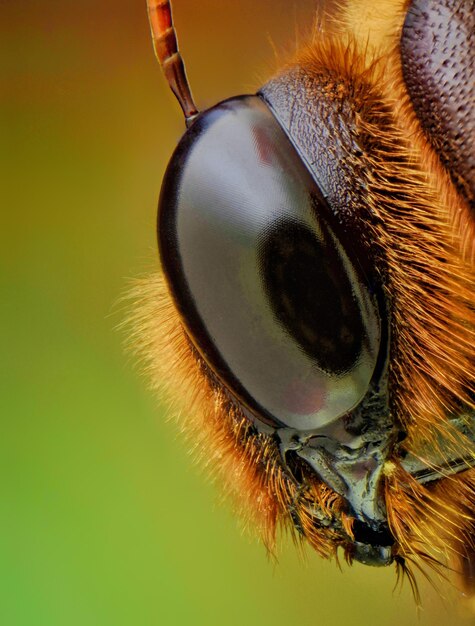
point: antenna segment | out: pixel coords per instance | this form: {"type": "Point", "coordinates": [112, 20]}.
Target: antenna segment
{"type": "Point", "coordinates": [166, 50]}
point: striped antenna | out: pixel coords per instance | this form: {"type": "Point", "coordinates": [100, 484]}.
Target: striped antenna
{"type": "Point", "coordinates": [166, 50]}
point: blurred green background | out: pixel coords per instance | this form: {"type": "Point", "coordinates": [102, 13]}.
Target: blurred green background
{"type": "Point", "coordinates": [104, 520]}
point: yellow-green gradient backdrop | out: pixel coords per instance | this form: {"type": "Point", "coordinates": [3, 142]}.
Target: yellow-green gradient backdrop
{"type": "Point", "coordinates": [104, 520]}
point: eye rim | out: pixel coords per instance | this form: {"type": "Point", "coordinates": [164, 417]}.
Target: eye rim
{"type": "Point", "coordinates": [182, 296]}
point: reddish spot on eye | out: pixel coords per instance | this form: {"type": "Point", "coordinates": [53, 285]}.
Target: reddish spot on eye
{"type": "Point", "coordinates": [303, 397]}
{"type": "Point", "coordinates": [264, 145]}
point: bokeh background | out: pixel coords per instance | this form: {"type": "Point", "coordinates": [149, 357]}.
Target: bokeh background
{"type": "Point", "coordinates": [104, 519]}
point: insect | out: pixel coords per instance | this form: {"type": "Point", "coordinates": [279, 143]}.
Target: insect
{"type": "Point", "coordinates": [314, 319]}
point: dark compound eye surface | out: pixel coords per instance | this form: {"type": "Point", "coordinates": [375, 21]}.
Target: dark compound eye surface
{"type": "Point", "coordinates": [310, 293]}
{"type": "Point", "coordinates": [267, 292]}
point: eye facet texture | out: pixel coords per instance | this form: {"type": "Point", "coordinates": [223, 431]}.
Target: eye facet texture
{"type": "Point", "coordinates": [438, 61]}
{"type": "Point", "coordinates": [279, 309]}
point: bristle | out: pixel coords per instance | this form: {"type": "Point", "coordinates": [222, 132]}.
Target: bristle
{"type": "Point", "coordinates": [404, 572]}
{"type": "Point", "coordinates": [433, 523]}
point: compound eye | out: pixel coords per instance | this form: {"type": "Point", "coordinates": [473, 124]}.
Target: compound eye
{"type": "Point", "coordinates": [266, 290]}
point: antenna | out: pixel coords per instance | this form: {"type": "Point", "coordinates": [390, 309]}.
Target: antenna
{"type": "Point", "coordinates": [166, 50]}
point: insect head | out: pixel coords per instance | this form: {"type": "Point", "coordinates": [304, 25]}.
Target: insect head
{"type": "Point", "coordinates": [316, 322]}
